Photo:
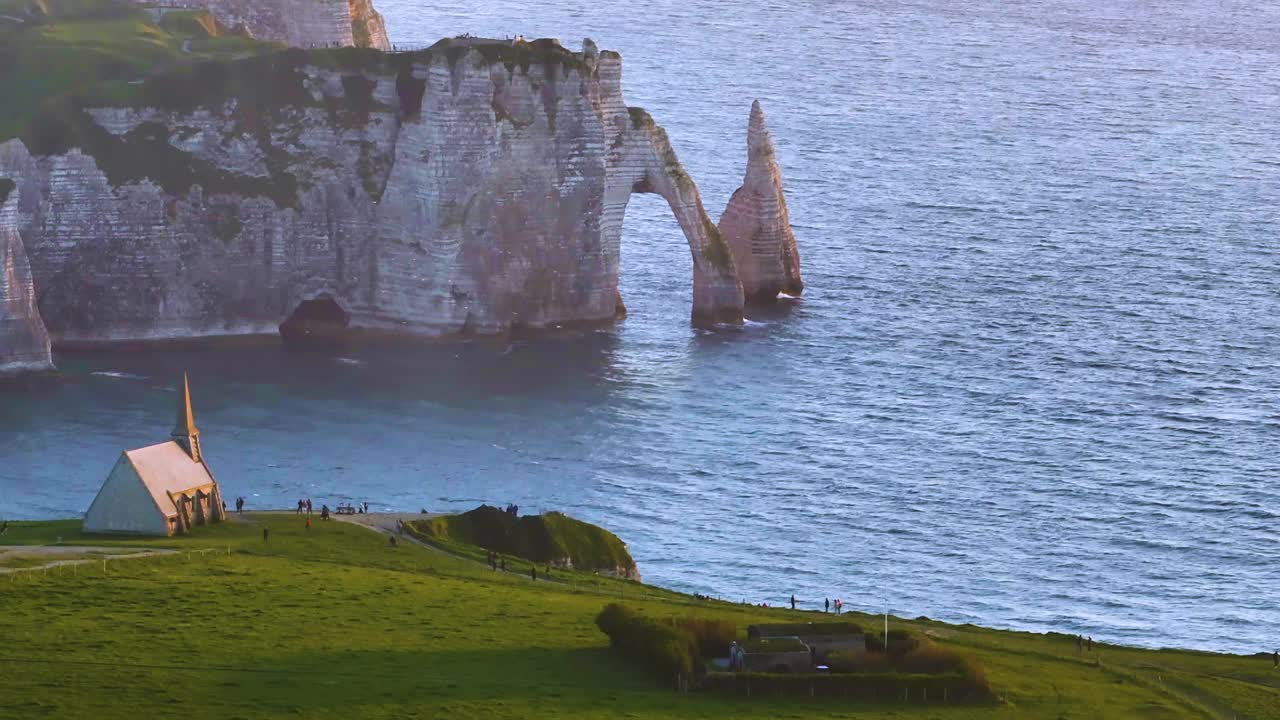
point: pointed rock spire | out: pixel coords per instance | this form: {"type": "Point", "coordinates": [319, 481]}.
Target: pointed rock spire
{"type": "Point", "coordinates": [757, 225]}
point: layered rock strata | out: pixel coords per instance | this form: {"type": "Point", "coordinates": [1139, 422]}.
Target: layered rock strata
{"type": "Point", "coordinates": [756, 223]}
{"type": "Point", "coordinates": [24, 342]}
{"type": "Point", "coordinates": [297, 23]}
{"type": "Point", "coordinates": [475, 187]}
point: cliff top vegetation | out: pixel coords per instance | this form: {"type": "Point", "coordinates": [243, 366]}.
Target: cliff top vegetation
{"type": "Point", "coordinates": [52, 47]}
{"type": "Point", "coordinates": [547, 538]}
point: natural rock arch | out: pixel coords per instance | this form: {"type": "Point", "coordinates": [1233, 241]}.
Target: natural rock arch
{"type": "Point", "coordinates": [641, 159]}
{"type": "Point", "coordinates": [475, 187]}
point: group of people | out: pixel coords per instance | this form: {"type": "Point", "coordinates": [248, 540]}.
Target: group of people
{"type": "Point", "coordinates": [827, 604]}
{"type": "Point", "coordinates": [512, 509]}
{"type": "Point", "coordinates": [737, 656]}
{"type": "Point", "coordinates": [496, 560]}
{"type": "Point", "coordinates": [1084, 643]}
{"type": "Point", "coordinates": [239, 504]}
{"type": "Point", "coordinates": [305, 507]}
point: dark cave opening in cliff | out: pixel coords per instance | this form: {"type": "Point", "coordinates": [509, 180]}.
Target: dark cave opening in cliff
{"type": "Point", "coordinates": [320, 322]}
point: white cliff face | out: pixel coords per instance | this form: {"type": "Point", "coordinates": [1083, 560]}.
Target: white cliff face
{"type": "Point", "coordinates": [478, 187]}
{"type": "Point", "coordinates": [756, 223]}
{"type": "Point", "coordinates": [24, 343]}
{"type": "Point", "coordinates": [299, 23]}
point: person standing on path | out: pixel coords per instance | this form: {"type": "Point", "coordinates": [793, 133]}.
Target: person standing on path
{"type": "Point", "coordinates": [533, 573]}
{"type": "Point", "coordinates": [1089, 643]}
{"type": "Point", "coordinates": [1275, 659]}
{"type": "Point", "coordinates": [266, 533]}
{"type": "Point", "coordinates": [793, 602]}
{"type": "Point", "coordinates": [826, 605]}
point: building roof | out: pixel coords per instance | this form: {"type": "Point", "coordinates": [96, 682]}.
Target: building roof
{"type": "Point", "coordinates": [166, 468]}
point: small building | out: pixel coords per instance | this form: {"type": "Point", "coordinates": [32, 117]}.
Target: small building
{"type": "Point", "coordinates": [162, 489]}
{"type": "Point", "coordinates": [821, 639]}
{"type": "Point", "coordinates": [776, 654]}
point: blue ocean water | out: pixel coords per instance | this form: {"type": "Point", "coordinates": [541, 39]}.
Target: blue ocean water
{"type": "Point", "coordinates": [1034, 381]}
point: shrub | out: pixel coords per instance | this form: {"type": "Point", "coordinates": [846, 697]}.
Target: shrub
{"type": "Point", "coordinates": [859, 662]}
{"type": "Point", "coordinates": [900, 643]}
{"type": "Point", "coordinates": [548, 538]}
{"type": "Point", "coordinates": [663, 648]}
{"type": "Point", "coordinates": [926, 657]}
{"type": "Point", "coordinates": [712, 636]}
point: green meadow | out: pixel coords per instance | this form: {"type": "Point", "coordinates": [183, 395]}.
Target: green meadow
{"type": "Point", "coordinates": [332, 621]}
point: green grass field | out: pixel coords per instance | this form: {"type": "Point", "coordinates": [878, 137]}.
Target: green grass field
{"type": "Point", "coordinates": [49, 48]}
{"type": "Point", "coordinates": [333, 622]}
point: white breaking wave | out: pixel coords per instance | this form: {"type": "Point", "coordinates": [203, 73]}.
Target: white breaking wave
{"type": "Point", "coordinates": [119, 375]}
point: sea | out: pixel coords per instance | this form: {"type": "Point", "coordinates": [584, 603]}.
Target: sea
{"type": "Point", "coordinates": [1033, 381]}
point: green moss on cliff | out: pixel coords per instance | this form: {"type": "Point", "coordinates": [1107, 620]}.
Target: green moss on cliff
{"type": "Point", "coordinates": [225, 222]}
{"type": "Point", "coordinates": [640, 118]}
{"type": "Point", "coordinates": [145, 153]}
{"type": "Point", "coordinates": [512, 54]}
{"type": "Point", "coordinates": [717, 250]}
{"type": "Point", "coordinates": [192, 23]}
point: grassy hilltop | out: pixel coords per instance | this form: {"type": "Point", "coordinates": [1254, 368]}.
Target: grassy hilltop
{"type": "Point", "coordinates": [552, 537]}
{"type": "Point", "coordinates": [52, 47]}
{"type": "Point", "coordinates": [333, 622]}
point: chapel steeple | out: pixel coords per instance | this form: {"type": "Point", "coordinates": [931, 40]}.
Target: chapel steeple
{"type": "Point", "coordinates": [185, 432]}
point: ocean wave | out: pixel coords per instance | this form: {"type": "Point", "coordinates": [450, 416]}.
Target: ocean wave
{"type": "Point", "coordinates": [118, 375]}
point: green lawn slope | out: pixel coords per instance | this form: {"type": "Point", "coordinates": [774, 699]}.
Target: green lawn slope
{"type": "Point", "coordinates": [332, 621]}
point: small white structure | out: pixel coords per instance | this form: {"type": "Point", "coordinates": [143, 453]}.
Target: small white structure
{"type": "Point", "coordinates": [161, 489]}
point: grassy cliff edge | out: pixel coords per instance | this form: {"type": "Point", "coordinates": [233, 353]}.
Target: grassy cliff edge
{"type": "Point", "coordinates": [332, 621]}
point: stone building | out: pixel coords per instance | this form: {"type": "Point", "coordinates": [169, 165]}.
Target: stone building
{"type": "Point", "coordinates": [162, 489]}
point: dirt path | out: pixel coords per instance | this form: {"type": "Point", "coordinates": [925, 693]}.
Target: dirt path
{"type": "Point", "coordinates": [58, 555]}
{"type": "Point", "coordinates": [386, 522]}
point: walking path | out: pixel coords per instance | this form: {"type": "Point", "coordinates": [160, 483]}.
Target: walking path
{"type": "Point", "coordinates": [69, 554]}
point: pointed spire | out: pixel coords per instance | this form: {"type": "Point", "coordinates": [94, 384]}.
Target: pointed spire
{"type": "Point", "coordinates": [186, 425]}
{"type": "Point", "coordinates": [185, 432]}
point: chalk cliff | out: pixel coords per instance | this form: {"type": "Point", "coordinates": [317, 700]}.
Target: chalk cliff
{"type": "Point", "coordinates": [24, 343]}
{"type": "Point", "coordinates": [297, 23]}
{"type": "Point", "coordinates": [475, 187]}
{"type": "Point", "coordinates": [756, 223]}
